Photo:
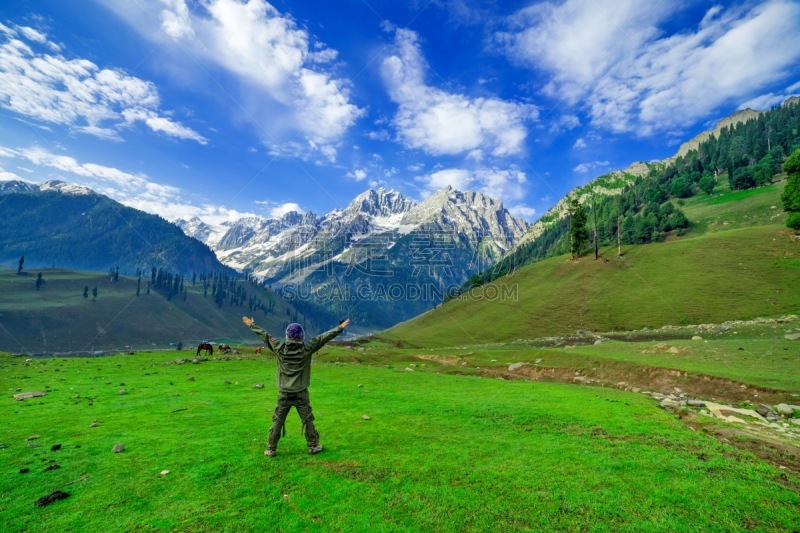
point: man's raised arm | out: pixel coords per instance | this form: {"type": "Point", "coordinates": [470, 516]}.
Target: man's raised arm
{"type": "Point", "coordinates": [322, 339]}
{"type": "Point", "coordinates": [258, 330]}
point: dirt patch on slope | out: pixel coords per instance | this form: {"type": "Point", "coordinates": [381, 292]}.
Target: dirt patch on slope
{"type": "Point", "coordinates": [621, 375]}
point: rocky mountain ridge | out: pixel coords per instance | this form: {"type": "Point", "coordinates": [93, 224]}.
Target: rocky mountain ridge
{"type": "Point", "coordinates": [348, 261]}
{"type": "Point", "coordinates": [380, 217]}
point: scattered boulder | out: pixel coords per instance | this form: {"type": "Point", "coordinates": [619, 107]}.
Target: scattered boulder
{"type": "Point", "coordinates": [669, 403]}
{"type": "Point", "coordinates": [696, 403]}
{"type": "Point", "coordinates": [409, 369]}
{"type": "Point", "coordinates": [163, 473]}
{"type": "Point", "coordinates": [122, 392]}
{"type": "Point", "coordinates": [33, 445]}
{"type": "Point", "coordinates": [764, 410]}
{"type": "Point", "coordinates": [55, 447]}
{"type": "Point", "coordinates": [227, 382]}
{"type": "Point", "coordinates": [674, 349]}
{"type": "Point", "coordinates": [792, 336]}
{"type": "Point", "coordinates": [118, 448]}
{"type": "Point", "coordinates": [366, 417]}
{"type": "Point", "coordinates": [734, 414]}
{"type": "Point", "coordinates": [258, 386]}
{"type": "Point", "coordinates": [191, 378]}
{"type": "Point", "coordinates": [52, 467]}
{"type": "Point", "coordinates": [697, 338]}
{"type": "Point", "coordinates": [28, 395]}
{"type": "Point", "coordinates": [33, 437]}
{"type": "Point", "coordinates": [515, 366]}
{"type": "Point", "coordinates": [50, 498]}
{"type": "Point", "coordinates": [94, 424]}
{"type": "Point", "coordinates": [658, 396]}
{"type": "Point", "coordinates": [784, 409]}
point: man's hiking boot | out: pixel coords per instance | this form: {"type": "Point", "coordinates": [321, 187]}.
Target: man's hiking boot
{"type": "Point", "coordinates": [270, 452]}
{"type": "Point", "coordinates": [314, 450]}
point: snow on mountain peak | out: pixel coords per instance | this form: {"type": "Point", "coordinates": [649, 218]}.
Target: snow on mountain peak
{"type": "Point", "coordinates": [64, 187]}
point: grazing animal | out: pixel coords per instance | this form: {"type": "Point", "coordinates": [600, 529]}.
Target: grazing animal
{"type": "Point", "coordinates": [206, 347]}
{"type": "Point", "coordinates": [258, 350]}
{"type": "Point", "coordinates": [224, 348]}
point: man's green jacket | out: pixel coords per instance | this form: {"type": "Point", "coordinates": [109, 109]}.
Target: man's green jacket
{"type": "Point", "coordinates": [294, 357]}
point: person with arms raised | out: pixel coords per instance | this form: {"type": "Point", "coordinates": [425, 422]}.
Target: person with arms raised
{"type": "Point", "coordinates": [293, 379]}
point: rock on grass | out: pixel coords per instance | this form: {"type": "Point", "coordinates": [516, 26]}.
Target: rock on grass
{"type": "Point", "coordinates": [52, 497]}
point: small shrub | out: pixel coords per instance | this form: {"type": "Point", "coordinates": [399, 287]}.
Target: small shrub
{"type": "Point", "coordinates": [793, 221]}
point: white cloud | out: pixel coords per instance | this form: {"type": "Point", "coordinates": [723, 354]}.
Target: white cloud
{"type": "Point", "coordinates": [507, 185]}
{"type": "Point", "coordinates": [5, 175]}
{"type": "Point", "coordinates": [579, 144]}
{"type": "Point", "coordinates": [358, 174]}
{"type": "Point", "coordinates": [442, 123]}
{"type": "Point", "coordinates": [76, 93]}
{"type": "Point", "coordinates": [133, 190]}
{"type": "Point", "coordinates": [279, 210]}
{"type": "Point", "coordinates": [613, 57]}
{"type": "Point", "coordinates": [287, 83]}
{"type": "Point", "coordinates": [583, 168]}
{"type": "Point", "coordinates": [522, 211]}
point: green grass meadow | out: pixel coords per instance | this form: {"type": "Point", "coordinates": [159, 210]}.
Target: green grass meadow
{"type": "Point", "coordinates": [440, 452]}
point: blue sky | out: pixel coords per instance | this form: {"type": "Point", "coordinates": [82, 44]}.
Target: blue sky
{"type": "Point", "coordinates": [221, 108]}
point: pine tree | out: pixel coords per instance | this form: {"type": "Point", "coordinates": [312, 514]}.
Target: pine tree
{"type": "Point", "coordinates": [578, 232]}
{"type": "Point", "coordinates": [791, 192]}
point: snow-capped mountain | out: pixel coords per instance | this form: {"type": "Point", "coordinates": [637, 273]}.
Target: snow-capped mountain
{"type": "Point", "coordinates": [440, 241]}
{"type": "Point", "coordinates": [19, 186]}
{"type": "Point", "coordinates": [267, 246]}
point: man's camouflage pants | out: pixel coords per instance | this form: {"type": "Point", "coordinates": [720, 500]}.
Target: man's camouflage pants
{"type": "Point", "coordinates": [300, 401]}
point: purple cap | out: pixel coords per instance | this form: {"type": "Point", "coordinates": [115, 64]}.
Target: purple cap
{"type": "Point", "coordinates": [294, 332]}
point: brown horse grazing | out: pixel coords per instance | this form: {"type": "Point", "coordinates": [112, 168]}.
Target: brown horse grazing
{"type": "Point", "coordinates": [258, 350]}
{"type": "Point", "coordinates": [224, 348]}
{"type": "Point", "coordinates": [204, 346]}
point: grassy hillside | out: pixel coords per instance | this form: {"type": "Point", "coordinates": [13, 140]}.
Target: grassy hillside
{"type": "Point", "coordinates": [726, 209]}
{"type": "Point", "coordinates": [57, 318]}
{"type": "Point", "coordinates": [439, 452]}
{"type": "Point", "coordinates": [713, 277]}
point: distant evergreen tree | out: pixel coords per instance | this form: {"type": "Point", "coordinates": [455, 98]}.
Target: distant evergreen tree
{"type": "Point", "coordinates": [39, 281]}
{"type": "Point", "coordinates": [94, 294]}
{"type": "Point", "coordinates": [85, 292]}
{"type": "Point", "coordinates": [707, 183]}
{"type": "Point", "coordinates": [791, 192]}
{"type": "Point", "coordinates": [21, 261]}
{"type": "Point", "coordinates": [578, 231]}
{"type": "Point", "coordinates": [148, 288]}
{"type": "Point", "coordinates": [138, 285]}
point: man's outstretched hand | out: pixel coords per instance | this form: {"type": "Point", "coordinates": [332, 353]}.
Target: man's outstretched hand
{"type": "Point", "coordinates": [248, 321]}
{"type": "Point", "coordinates": [345, 322]}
